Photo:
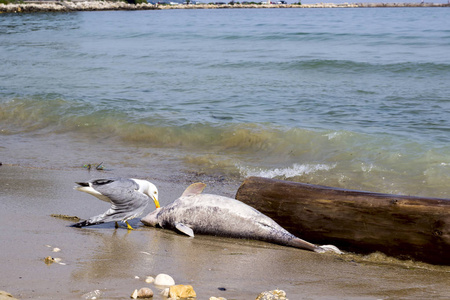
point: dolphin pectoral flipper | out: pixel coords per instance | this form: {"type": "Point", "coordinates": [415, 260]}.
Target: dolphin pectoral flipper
{"type": "Point", "coordinates": [184, 229]}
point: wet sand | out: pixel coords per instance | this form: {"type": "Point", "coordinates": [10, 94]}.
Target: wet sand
{"type": "Point", "coordinates": [109, 259]}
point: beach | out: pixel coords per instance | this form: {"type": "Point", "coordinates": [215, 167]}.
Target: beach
{"type": "Point", "coordinates": [348, 98]}
{"type": "Point", "coordinates": [108, 259]}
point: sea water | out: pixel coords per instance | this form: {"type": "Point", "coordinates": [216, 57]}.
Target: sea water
{"type": "Point", "coordinates": [353, 98]}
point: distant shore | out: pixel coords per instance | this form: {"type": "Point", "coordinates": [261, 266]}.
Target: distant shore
{"type": "Point", "coordinates": [67, 6]}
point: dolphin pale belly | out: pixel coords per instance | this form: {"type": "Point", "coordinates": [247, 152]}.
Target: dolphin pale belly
{"type": "Point", "coordinates": [217, 215]}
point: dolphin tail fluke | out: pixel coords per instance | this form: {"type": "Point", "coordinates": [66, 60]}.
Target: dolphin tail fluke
{"type": "Point", "coordinates": [302, 244]}
{"type": "Point", "coordinates": [329, 248]}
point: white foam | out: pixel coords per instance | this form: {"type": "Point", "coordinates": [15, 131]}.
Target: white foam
{"type": "Point", "coordinates": [295, 170]}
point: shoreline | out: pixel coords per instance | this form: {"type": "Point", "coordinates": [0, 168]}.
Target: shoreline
{"type": "Point", "coordinates": [69, 6]}
{"type": "Point", "coordinates": [116, 261]}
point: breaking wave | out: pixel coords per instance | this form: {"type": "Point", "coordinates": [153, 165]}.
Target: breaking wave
{"type": "Point", "coordinates": [286, 173]}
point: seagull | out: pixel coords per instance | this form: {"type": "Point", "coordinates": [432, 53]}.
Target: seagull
{"type": "Point", "coordinates": [128, 198]}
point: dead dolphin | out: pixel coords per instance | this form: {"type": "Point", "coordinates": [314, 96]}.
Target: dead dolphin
{"type": "Point", "coordinates": [223, 216]}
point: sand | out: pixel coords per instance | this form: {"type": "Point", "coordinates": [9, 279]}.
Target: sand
{"type": "Point", "coordinates": [117, 261]}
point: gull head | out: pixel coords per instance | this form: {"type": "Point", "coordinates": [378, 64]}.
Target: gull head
{"type": "Point", "coordinates": [148, 188]}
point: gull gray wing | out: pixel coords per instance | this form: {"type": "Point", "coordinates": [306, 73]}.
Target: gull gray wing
{"type": "Point", "coordinates": [123, 193]}
{"type": "Point", "coordinates": [126, 200]}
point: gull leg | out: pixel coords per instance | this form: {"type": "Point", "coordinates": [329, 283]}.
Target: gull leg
{"type": "Point", "coordinates": [129, 226]}
{"type": "Point", "coordinates": [116, 225]}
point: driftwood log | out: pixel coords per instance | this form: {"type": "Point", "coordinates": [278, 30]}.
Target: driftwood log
{"type": "Point", "coordinates": [363, 222]}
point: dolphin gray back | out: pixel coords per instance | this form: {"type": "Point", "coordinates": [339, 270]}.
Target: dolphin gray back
{"type": "Point", "coordinates": [222, 216]}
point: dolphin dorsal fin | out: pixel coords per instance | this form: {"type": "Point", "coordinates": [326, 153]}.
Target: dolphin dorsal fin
{"type": "Point", "coordinates": [194, 189]}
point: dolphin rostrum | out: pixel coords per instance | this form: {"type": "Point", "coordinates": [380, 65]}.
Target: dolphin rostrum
{"type": "Point", "coordinates": [223, 216]}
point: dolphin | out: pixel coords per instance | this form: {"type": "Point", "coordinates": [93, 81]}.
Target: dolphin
{"type": "Point", "coordinates": [210, 214]}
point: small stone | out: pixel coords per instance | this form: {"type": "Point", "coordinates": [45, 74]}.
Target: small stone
{"type": "Point", "coordinates": [6, 295]}
{"type": "Point", "coordinates": [272, 295]}
{"type": "Point", "coordinates": [215, 298]}
{"type": "Point", "coordinates": [182, 291]}
{"type": "Point", "coordinates": [149, 279]}
{"type": "Point", "coordinates": [49, 260]}
{"type": "Point", "coordinates": [165, 292]}
{"type": "Point", "coordinates": [58, 260]}
{"type": "Point", "coordinates": [56, 250]}
{"type": "Point", "coordinates": [94, 295]}
{"type": "Point", "coordinates": [143, 293]}
{"type": "Point", "coordinates": [164, 280]}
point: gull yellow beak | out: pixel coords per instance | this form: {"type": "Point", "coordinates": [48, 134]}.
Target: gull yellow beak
{"type": "Point", "coordinates": [156, 202]}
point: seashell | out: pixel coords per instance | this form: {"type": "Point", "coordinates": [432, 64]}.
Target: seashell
{"type": "Point", "coordinates": [164, 280]}
{"type": "Point", "coordinates": [165, 292]}
{"type": "Point", "coordinates": [56, 250]}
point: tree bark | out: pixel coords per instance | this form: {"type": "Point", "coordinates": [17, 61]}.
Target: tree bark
{"type": "Point", "coordinates": [363, 222]}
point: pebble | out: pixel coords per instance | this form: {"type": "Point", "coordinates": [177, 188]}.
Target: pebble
{"type": "Point", "coordinates": [6, 296]}
{"type": "Point", "coordinates": [164, 280]}
{"type": "Point", "coordinates": [92, 295]}
{"type": "Point", "coordinates": [49, 260]}
{"type": "Point", "coordinates": [142, 293]}
{"type": "Point", "coordinates": [182, 291]}
{"type": "Point", "coordinates": [272, 295]}
{"type": "Point", "coordinates": [215, 298]}
{"type": "Point", "coordinates": [149, 279]}
{"type": "Point", "coordinates": [165, 293]}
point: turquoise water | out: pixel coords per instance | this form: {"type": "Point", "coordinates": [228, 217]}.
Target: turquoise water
{"type": "Point", "coordinates": [355, 98]}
